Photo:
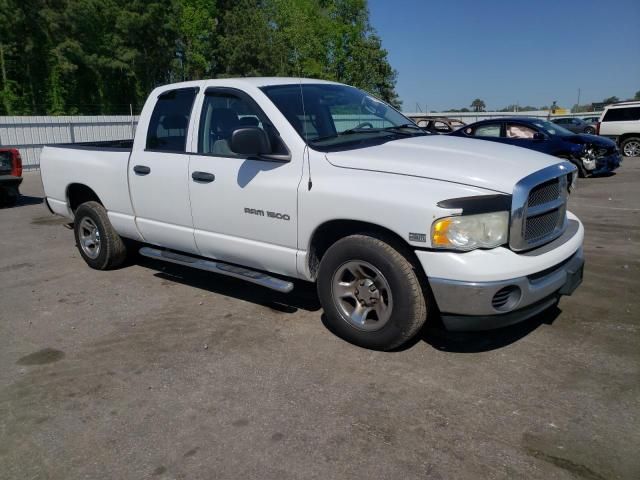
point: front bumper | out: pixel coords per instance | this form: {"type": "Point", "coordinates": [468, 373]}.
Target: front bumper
{"type": "Point", "coordinates": [487, 289]}
{"type": "Point", "coordinates": [463, 301]}
{"type": "Point", "coordinates": [607, 164]}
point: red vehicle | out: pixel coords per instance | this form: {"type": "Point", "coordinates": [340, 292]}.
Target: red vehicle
{"type": "Point", "coordinates": [10, 175]}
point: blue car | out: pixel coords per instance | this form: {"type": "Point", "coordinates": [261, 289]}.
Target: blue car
{"type": "Point", "coordinates": [592, 155]}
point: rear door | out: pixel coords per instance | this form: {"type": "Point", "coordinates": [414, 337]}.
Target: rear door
{"type": "Point", "coordinates": [158, 174]}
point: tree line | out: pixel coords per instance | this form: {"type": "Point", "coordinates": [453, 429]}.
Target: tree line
{"type": "Point", "coordinates": [101, 56]}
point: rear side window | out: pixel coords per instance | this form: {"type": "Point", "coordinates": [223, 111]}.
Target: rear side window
{"type": "Point", "coordinates": [490, 130]}
{"type": "Point", "coordinates": [622, 114]}
{"type": "Point", "coordinates": [170, 120]}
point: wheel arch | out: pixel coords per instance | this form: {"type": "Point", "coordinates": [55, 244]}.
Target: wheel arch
{"type": "Point", "coordinates": [79, 193]}
{"type": "Point", "coordinates": [627, 136]}
{"type": "Point", "coordinates": [329, 232]}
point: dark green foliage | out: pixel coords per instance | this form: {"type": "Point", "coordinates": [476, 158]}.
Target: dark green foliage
{"type": "Point", "coordinates": [478, 105]}
{"type": "Point", "coordinates": [101, 56]}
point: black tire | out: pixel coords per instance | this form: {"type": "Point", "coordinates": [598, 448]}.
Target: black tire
{"type": "Point", "coordinates": [408, 292]}
{"type": "Point", "coordinates": [626, 142]}
{"type": "Point", "coordinates": [9, 197]}
{"type": "Point", "coordinates": [111, 252]}
{"type": "Point", "coordinates": [590, 131]}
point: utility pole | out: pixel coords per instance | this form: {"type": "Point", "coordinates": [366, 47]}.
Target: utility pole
{"type": "Point", "coordinates": [578, 103]}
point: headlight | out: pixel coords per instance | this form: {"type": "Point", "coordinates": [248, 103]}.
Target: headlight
{"type": "Point", "coordinates": [467, 232]}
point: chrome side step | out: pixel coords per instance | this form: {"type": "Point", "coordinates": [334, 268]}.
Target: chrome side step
{"type": "Point", "coordinates": [219, 267]}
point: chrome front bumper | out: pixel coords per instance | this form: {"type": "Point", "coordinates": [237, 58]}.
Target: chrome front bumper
{"type": "Point", "coordinates": [468, 306]}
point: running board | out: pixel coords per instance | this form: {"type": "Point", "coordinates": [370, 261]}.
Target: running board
{"type": "Point", "coordinates": [218, 267]}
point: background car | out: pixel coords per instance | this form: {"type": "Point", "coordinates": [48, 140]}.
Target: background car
{"type": "Point", "coordinates": [439, 125]}
{"type": "Point", "coordinates": [590, 153]}
{"type": "Point", "coordinates": [591, 120]}
{"type": "Point", "coordinates": [621, 123]}
{"type": "Point", "coordinates": [576, 125]}
{"type": "Point", "coordinates": [10, 175]}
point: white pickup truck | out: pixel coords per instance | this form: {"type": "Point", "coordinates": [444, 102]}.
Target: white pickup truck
{"type": "Point", "coordinates": [274, 179]}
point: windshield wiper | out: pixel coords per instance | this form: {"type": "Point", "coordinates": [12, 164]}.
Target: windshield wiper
{"type": "Point", "coordinates": [396, 128]}
{"type": "Point", "coordinates": [351, 131]}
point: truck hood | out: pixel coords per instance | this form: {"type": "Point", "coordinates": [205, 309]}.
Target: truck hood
{"type": "Point", "coordinates": [479, 163]}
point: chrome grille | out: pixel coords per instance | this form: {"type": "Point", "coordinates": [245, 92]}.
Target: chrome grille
{"type": "Point", "coordinates": [544, 193]}
{"type": "Point", "coordinates": [539, 207]}
{"type": "Point", "coordinates": [541, 225]}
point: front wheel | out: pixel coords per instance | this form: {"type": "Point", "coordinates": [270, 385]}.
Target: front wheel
{"type": "Point", "coordinates": [590, 130]}
{"type": "Point", "coordinates": [99, 244]}
{"type": "Point", "coordinates": [631, 147]}
{"type": "Point", "coordinates": [371, 293]}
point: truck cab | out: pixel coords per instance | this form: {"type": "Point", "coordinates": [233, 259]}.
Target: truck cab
{"type": "Point", "coordinates": [276, 179]}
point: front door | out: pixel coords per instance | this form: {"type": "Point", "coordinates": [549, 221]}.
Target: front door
{"type": "Point", "coordinates": [244, 208]}
{"type": "Point", "coordinates": [158, 173]}
{"type": "Point", "coordinates": [525, 136]}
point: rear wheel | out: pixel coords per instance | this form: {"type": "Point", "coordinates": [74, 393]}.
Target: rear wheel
{"type": "Point", "coordinates": [371, 293]}
{"type": "Point", "coordinates": [99, 244]}
{"type": "Point", "coordinates": [631, 147]}
{"type": "Point", "coordinates": [590, 130]}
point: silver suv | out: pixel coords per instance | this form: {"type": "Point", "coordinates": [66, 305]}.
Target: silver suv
{"type": "Point", "coordinates": [621, 122]}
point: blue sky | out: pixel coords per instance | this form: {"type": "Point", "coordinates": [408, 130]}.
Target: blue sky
{"type": "Point", "coordinates": [532, 52]}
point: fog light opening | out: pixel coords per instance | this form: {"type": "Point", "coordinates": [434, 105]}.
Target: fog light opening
{"type": "Point", "coordinates": [506, 298]}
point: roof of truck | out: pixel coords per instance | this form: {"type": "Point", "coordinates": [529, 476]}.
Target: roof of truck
{"type": "Point", "coordinates": [252, 81]}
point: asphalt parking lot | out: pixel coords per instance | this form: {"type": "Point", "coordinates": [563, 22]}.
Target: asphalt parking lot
{"type": "Point", "coordinates": [156, 371]}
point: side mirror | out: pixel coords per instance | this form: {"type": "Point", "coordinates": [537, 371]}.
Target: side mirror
{"type": "Point", "coordinates": [250, 141]}
{"type": "Point", "coordinates": [539, 136]}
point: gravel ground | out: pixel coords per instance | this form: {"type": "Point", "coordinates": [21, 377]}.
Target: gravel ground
{"type": "Point", "coordinates": [155, 371]}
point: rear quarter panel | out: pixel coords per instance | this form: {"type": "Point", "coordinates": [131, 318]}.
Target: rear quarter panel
{"type": "Point", "coordinates": [104, 171]}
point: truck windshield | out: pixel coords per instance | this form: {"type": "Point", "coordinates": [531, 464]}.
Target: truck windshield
{"type": "Point", "coordinates": [329, 116]}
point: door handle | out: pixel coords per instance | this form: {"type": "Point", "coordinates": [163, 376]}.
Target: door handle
{"type": "Point", "coordinates": [141, 170]}
{"type": "Point", "coordinates": [203, 177]}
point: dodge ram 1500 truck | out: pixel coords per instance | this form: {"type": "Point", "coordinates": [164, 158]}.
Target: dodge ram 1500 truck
{"type": "Point", "coordinates": [274, 179]}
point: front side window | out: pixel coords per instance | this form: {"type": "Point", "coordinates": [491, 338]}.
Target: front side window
{"type": "Point", "coordinates": [515, 130]}
{"type": "Point", "coordinates": [170, 120]}
{"type": "Point", "coordinates": [223, 113]}
{"type": "Point", "coordinates": [331, 116]}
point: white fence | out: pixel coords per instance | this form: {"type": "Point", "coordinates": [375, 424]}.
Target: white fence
{"type": "Point", "coordinates": [30, 134]}
{"type": "Point", "coordinates": [470, 117]}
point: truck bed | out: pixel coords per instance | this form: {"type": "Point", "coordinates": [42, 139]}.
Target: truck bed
{"type": "Point", "coordinates": [101, 166]}
{"type": "Point", "coordinates": [107, 145]}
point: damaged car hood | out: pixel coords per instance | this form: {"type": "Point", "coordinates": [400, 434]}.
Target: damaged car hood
{"type": "Point", "coordinates": [479, 163]}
